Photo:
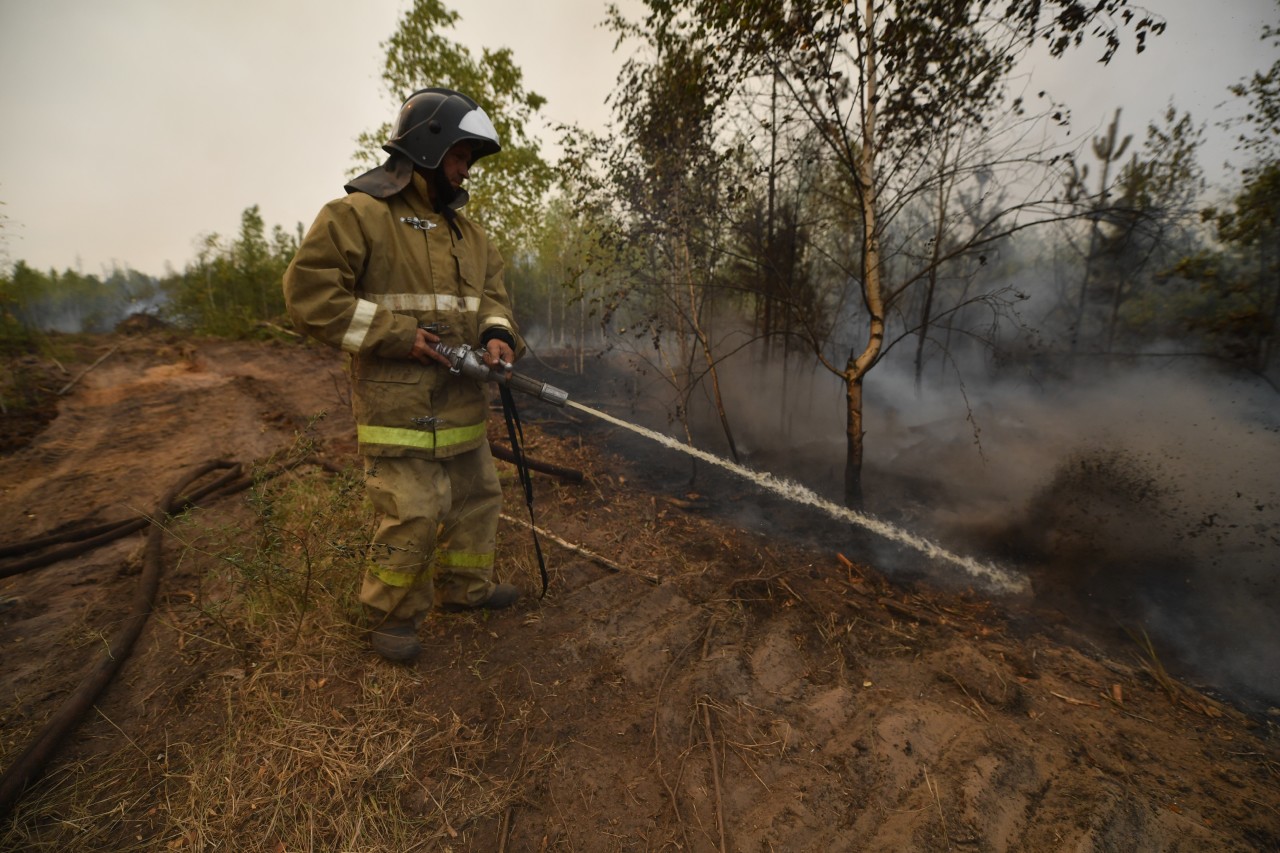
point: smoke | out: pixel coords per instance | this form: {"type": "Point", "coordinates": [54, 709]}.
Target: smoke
{"type": "Point", "coordinates": [70, 302]}
{"type": "Point", "coordinates": [1143, 498]}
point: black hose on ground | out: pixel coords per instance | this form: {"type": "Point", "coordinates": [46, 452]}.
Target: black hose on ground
{"type": "Point", "coordinates": [82, 540]}
{"type": "Point", "coordinates": [110, 534]}
{"type": "Point", "coordinates": [30, 764]}
{"type": "Point", "coordinates": [78, 534]}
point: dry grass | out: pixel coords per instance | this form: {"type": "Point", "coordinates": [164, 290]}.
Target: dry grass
{"type": "Point", "coordinates": [298, 770]}
{"type": "Point", "coordinates": [289, 739]}
{"type": "Point", "coordinates": [1177, 692]}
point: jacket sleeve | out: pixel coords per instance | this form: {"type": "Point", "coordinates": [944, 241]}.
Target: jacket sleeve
{"type": "Point", "coordinates": [321, 285]}
{"type": "Point", "coordinates": [496, 318]}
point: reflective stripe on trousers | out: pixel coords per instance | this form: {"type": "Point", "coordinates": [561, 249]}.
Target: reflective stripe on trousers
{"type": "Point", "coordinates": [437, 532]}
{"type": "Point", "coordinates": [422, 439]}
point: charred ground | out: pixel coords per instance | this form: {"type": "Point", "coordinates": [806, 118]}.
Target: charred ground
{"type": "Point", "coordinates": [687, 683]}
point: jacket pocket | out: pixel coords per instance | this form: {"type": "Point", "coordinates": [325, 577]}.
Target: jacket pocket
{"type": "Point", "coordinates": [391, 392]}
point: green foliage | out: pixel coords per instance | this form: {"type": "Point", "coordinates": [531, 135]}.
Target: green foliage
{"type": "Point", "coordinates": [1254, 214]}
{"type": "Point", "coordinates": [507, 190]}
{"type": "Point", "coordinates": [32, 301]}
{"type": "Point", "coordinates": [1229, 298]}
{"type": "Point", "coordinates": [939, 64]}
{"type": "Point", "coordinates": [300, 553]}
{"type": "Point", "coordinates": [673, 182]}
{"type": "Point", "coordinates": [1231, 294]}
{"type": "Point", "coordinates": [879, 108]}
{"type": "Point", "coordinates": [669, 190]}
{"type": "Point", "coordinates": [1262, 134]}
{"type": "Point", "coordinates": [863, 125]}
{"type": "Point", "coordinates": [309, 543]}
{"type": "Point", "coordinates": [557, 284]}
{"type": "Point", "coordinates": [234, 286]}
{"type": "Point", "coordinates": [854, 127]}
{"type": "Point", "coordinates": [1167, 176]}
{"type": "Point", "coordinates": [15, 335]}
{"type": "Point", "coordinates": [1138, 225]}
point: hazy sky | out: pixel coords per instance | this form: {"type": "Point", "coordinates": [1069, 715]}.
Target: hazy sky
{"type": "Point", "coordinates": [133, 127]}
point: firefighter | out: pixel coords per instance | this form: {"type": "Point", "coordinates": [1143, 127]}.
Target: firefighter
{"type": "Point", "coordinates": [385, 272]}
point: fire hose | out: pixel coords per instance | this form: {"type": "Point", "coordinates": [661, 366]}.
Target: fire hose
{"type": "Point", "coordinates": [30, 764]}
{"type": "Point", "coordinates": [464, 361]}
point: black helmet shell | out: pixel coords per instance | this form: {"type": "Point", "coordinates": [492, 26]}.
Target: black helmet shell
{"type": "Point", "coordinates": [434, 120]}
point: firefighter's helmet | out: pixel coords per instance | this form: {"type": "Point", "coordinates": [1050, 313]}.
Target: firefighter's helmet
{"type": "Point", "coordinates": [434, 120]}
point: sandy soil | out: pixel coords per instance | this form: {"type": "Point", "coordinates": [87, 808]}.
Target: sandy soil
{"type": "Point", "coordinates": [706, 689]}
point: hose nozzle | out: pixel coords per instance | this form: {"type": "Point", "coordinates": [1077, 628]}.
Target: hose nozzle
{"type": "Point", "coordinates": [464, 361]}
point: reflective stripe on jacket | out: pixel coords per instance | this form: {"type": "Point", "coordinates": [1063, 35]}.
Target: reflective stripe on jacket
{"type": "Point", "coordinates": [366, 275]}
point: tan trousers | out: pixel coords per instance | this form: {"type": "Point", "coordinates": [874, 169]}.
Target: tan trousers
{"type": "Point", "coordinates": [436, 541]}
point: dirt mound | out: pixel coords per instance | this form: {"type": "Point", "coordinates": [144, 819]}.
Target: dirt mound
{"type": "Point", "coordinates": [685, 684]}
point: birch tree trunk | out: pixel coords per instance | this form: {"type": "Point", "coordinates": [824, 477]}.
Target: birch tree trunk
{"type": "Point", "coordinates": [872, 287]}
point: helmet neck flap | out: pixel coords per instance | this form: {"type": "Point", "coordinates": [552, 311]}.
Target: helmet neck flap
{"type": "Point", "coordinates": [430, 122]}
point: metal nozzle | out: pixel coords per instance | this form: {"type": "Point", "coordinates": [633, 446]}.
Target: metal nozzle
{"type": "Point", "coordinates": [551, 394]}
{"type": "Point", "coordinates": [467, 362]}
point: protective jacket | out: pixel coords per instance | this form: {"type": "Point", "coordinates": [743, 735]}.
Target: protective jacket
{"type": "Point", "coordinates": [367, 274]}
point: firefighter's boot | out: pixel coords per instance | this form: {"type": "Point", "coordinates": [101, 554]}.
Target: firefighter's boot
{"type": "Point", "coordinates": [500, 596]}
{"type": "Point", "coordinates": [393, 638]}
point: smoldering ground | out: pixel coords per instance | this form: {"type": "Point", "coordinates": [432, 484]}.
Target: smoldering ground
{"type": "Point", "coordinates": [1141, 499]}
{"type": "Point", "coordinates": [1138, 500]}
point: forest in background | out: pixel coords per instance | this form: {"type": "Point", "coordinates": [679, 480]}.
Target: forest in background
{"type": "Point", "coordinates": [817, 185]}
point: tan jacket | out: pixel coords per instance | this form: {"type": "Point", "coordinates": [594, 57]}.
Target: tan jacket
{"type": "Point", "coordinates": [367, 274]}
